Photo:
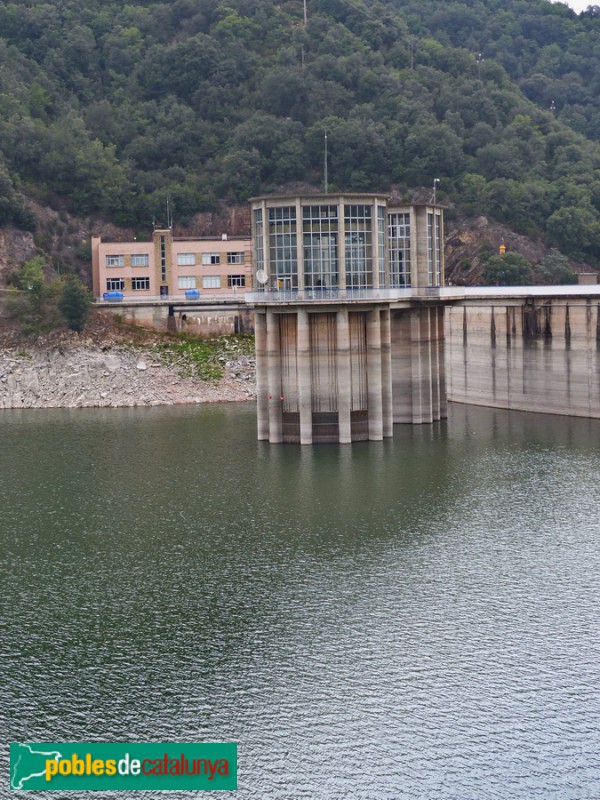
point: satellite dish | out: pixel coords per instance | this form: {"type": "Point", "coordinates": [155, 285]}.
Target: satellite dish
{"type": "Point", "coordinates": [261, 276]}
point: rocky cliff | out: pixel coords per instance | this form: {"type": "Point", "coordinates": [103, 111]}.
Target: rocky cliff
{"type": "Point", "coordinates": [108, 366]}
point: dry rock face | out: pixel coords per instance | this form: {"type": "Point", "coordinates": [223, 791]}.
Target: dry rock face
{"type": "Point", "coordinates": [464, 239]}
{"type": "Point", "coordinates": [112, 365]}
{"type": "Point", "coordinates": [82, 377]}
{"type": "Point", "coordinates": [16, 246]}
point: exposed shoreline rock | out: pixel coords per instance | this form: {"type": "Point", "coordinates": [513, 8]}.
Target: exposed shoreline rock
{"type": "Point", "coordinates": [84, 377]}
{"type": "Point", "coordinates": [112, 367]}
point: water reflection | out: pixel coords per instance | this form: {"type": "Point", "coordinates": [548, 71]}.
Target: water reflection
{"type": "Point", "coordinates": [412, 618]}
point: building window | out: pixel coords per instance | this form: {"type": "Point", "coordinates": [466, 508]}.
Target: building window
{"type": "Point", "coordinates": [320, 242]}
{"type": "Point", "coordinates": [211, 282]}
{"type": "Point", "coordinates": [283, 253]}
{"type": "Point", "coordinates": [211, 258]}
{"type": "Point", "coordinates": [438, 249]}
{"type": "Point", "coordinates": [235, 258]}
{"type": "Point", "coordinates": [140, 284]}
{"type": "Point", "coordinates": [140, 260]}
{"type": "Point", "coordinates": [115, 284]}
{"type": "Point", "coordinates": [430, 250]}
{"type": "Point", "coordinates": [163, 259]}
{"type": "Point", "coordinates": [186, 259]}
{"type": "Point", "coordinates": [186, 282]}
{"type": "Point", "coordinates": [233, 281]}
{"type": "Point", "coordinates": [115, 261]}
{"type": "Point", "coordinates": [359, 246]}
{"type": "Point", "coordinates": [399, 250]}
{"type": "Point", "coordinates": [259, 250]}
{"type": "Point", "coordinates": [381, 246]}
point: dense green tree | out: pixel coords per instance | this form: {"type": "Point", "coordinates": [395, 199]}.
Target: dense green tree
{"type": "Point", "coordinates": [74, 303]}
{"type": "Point", "coordinates": [33, 299]}
{"type": "Point", "coordinates": [555, 269]}
{"type": "Point", "coordinates": [108, 107]}
{"type": "Point", "coordinates": [511, 269]}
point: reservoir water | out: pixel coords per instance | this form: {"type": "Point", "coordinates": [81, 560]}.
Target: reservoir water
{"type": "Point", "coordinates": [406, 620]}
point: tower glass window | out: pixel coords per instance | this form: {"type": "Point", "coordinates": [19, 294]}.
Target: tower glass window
{"type": "Point", "coordinates": [320, 242]}
{"type": "Point", "coordinates": [399, 249]}
{"type": "Point", "coordinates": [359, 246]}
{"type": "Point", "coordinates": [259, 249]}
{"type": "Point", "coordinates": [283, 256]}
{"type": "Point", "coordinates": [438, 248]}
{"type": "Point", "coordinates": [430, 250]}
{"type": "Point", "coordinates": [381, 246]}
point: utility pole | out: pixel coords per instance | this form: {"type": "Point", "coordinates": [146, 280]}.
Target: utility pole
{"type": "Point", "coordinates": [326, 181]}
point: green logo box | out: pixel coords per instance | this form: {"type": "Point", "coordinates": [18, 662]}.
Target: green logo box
{"type": "Point", "coordinates": [122, 766]}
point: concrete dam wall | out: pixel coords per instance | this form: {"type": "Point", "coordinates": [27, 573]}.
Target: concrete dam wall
{"type": "Point", "coordinates": [533, 354]}
{"type": "Point", "coordinates": [347, 373]}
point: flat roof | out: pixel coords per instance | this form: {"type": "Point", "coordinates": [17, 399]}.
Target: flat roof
{"type": "Point", "coordinates": [321, 196]}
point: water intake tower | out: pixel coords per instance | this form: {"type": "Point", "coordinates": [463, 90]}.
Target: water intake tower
{"type": "Point", "coordinates": [348, 318]}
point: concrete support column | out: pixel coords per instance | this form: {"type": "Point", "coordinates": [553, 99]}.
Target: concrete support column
{"type": "Point", "coordinates": [402, 365]}
{"type": "Point", "coordinates": [386, 373]}
{"type": "Point", "coordinates": [344, 377]}
{"type": "Point", "coordinates": [421, 366]}
{"type": "Point", "coordinates": [442, 362]}
{"type": "Point", "coordinates": [435, 365]}
{"type": "Point", "coordinates": [304, 377]}
{"type": "Point", "coordinates": [262, 391]}
{"type": "Point", "coordinates": [274, 378]}
{"type": "Point", "coordinates": [374, 393]}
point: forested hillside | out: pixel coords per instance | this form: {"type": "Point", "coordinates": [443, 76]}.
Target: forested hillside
{"type": "Point", "coordinates": [108, 108]}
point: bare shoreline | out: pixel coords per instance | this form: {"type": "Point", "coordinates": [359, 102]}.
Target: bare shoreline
{"type": "Point", "coordinates": [93, 377]}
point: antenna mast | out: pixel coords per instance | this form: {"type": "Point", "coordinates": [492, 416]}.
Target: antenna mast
{"type": "Point", "coordinates": [326, 181]}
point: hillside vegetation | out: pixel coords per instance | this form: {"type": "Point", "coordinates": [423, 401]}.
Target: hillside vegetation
{"type": "Point", "coordinates": [109, 108]}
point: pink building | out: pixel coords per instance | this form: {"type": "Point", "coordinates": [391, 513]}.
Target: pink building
{"type": "Point", "coordinates": [169, 266]}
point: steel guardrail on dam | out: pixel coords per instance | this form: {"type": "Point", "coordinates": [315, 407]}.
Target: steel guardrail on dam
{"type": "Point", "coordinates": [444, 294]}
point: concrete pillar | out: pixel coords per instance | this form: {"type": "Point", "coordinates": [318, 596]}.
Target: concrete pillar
{"type": "Point", "coordinates": [402, 366]}
{"type": "Point", "coordinates": [421, 366]}
{"type": "Point", "coordinates": [344, 377]}
{"type": "Point", "coordinates": [442, 362]}
{"type": "Point", "coordinates": [262, 391]}
{"type": "Point", "coordinates": [171, 321]}
{"type": "Point", "coordinates": [435, 373]}
{"type": "Point", "coordinates": [274, 378]}
{"type": "Point", "coordinates": [304, 377]}
{"type": "Point", "coordinates": [386, 373]}
{"type": "Point", "coordinates": [374, 393]}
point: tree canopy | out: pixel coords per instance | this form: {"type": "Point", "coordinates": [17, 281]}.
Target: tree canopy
{"type": "Point", "coordinates": [112, 107]}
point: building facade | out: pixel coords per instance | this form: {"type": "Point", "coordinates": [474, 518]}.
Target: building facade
{"type": "Point", "coordinates": [169, 266]}
{"type": "Point", "coordinates": [350, 241]}
{"type": "Point", "coordinates": [349, 329]}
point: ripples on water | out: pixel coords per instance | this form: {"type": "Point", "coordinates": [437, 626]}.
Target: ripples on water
{"type": "Point", "coordinates": [409, 619]}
